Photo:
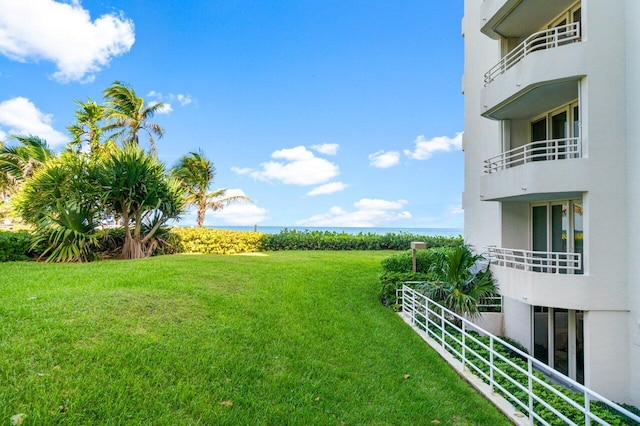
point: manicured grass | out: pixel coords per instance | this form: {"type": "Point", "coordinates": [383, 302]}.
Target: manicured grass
{"type": "Point", "coordinates": [288, 338]}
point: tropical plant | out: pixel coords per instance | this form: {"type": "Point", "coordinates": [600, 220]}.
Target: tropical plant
{"type": "Point", "coordinates": [460, 279]}
{"type": "Point", "coordinates": [6, 184]}
{"type": "Point", "coordinates": [196, 173]}
{"type": "Point", "coordinates": [137, 190]}
{"type": "Point", "coordinates": [127, 114]}
{"type": "Point", "coordinates": [87, 130]}
{"type": "Point", "coordinates": [62, 202]}
{"type": "Point", "coordinates": [21, 161]}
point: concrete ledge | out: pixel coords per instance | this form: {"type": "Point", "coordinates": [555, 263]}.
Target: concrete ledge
{"type": "Point", "coordinates": [499, 401]}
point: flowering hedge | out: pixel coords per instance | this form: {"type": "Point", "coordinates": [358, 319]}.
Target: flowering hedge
{"type": "Point", "coordinates": [215, 241]}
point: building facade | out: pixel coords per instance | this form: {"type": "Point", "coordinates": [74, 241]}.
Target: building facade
{"type": "Point", "coordinates": [552, 178]}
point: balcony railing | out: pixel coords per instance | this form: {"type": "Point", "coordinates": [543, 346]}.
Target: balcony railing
{"type": "Point", "coordinates": [540, 393]}
{"type": "Point", "coordinates": [554, 149]}
{"type": "Point", "coordinates": [548, 39]}
{"type": "Point", "coordinates": [536, 261]}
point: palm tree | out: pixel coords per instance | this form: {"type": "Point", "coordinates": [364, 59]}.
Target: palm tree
{"type": "Point", "coordinates": [127, 115]}
{"type": "Point", "coordinates": [196, 172]}
{"type": "Point", "coordinates": [135, 188]}
{"type": "Point", "coordinates": [63, 212]}
{"type": "Point", "coordinates": [461, 280]}
{"type": "Point", "coordinates": [21, 162]}
{"type": "Point", "coordinates": [88, 126]}
{"type": "Point", "coordinates": [6, 184]}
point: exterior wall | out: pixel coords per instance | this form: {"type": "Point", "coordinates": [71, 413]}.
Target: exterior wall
{"type": "Point", "coordinates": [490, 321]}
{"type": "Point", "coordinates": [604, 128]}
{"type": "Point", "coordinates": [515, 225]}
{"type": "Point", "coordinates": [482, 136]}
{"type": "Point", "coordinates": [608, 372]}
{"type": "Point", "coordinates": [517, 322]}
{"type": "Point", "coordinates": [580, 292]}
{"type": "Point", "coordinates": [633, 179]}
{"type": "Point", "coordinates": [604, 68]}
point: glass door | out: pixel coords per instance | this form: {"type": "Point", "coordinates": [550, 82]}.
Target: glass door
{"type": "Point", "coordinates": [539, 236]}
{"type": "Point", "coordinates": [561, 340]}
{"type": "Point", "coordinates": [538, 133]}
{"type": "Point", "coordinates": [559, 133]}
{"type": "Point", "coordinates": [556, 232]}
{"type": "Point", "coordinates": [558, 340]}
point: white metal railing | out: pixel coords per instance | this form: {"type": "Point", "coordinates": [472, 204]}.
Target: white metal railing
{"type": "Point", "coordinates": [549, 150]}
{"type": "Point", "coordinates": [521, 379]}
{"type": "Point", "coordinates": [490, 304]}
{"type": "Point", "coordinates": [548, 262]}
{"type": "Point", "coordinates": [547, 39]}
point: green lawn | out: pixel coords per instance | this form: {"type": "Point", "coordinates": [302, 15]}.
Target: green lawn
{"type": "Point", "coordinates": [288, 338]}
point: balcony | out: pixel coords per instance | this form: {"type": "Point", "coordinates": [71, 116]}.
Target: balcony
{"type": "Point", "coordinates": [543, 40]}
{"type": "Point", "coordinates": [518, 18]}
{"type": "Point", "coordinates": [536, 261]}
{"type": "Point", "coordinates": [550, 150]}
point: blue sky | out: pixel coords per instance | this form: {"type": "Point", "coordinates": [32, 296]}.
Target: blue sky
{"type": "Point", "coordinates": [325, 113]}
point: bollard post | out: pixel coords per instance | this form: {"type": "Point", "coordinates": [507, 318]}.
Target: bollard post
{"type": "Point", "coordinates": [414, 247]}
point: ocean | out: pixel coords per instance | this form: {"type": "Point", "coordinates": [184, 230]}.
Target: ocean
{"type": "Point", "coordinates": [446, 232]}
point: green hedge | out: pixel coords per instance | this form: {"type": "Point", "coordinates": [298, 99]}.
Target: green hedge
{"type": "Point", "coordinates": [331, 240]}
{"type": "Point", "coordinates": [398, 268]}
{"type": "Point", "coordinates": [15, 246]}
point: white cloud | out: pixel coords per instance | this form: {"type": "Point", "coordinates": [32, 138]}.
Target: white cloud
{"type": "Point", "coordinates": [64, 34]}
{"type": "Point", "coordinates": [326, 148]}
{"type": "Point", "coordinates": [166, 107]}
{"type": "Point", "coordinates": [383, 160]}
{"type": "Point", "coordinates": [299, 167]}
{"type": "Point", "coordinates": [183, 100]}
{"type": "Point", "coordinates": [19, 116]}
{"type": "Point", "coordinates": [456, 210]}
{"type": "Point", "coordinates": [377, 204]}
{"type": "Point", "coordinates": [242, 170]}
{"type": "Point", "coordinates": [424, 149]}
{"type": "Point", "coordinates": [299, 153]}
{"type": "Point", "coordinates": [368, 213]}
{"type": "Point", "coordinates": [328, 188]}
{"type": "Point", "coordinates": [241, 213]}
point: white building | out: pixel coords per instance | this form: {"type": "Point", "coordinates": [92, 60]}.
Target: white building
{"type": "Point", "coordinates": [552, 178]}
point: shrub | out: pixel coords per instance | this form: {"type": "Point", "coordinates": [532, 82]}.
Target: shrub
{"type": "Point", "coordinates": [398, 269]}
{"type": "Point", "coordinates": [15, 246]}
{"type": "Point", "coordinates": [215, 241]}
{"type": "Point", "coordinates": [331, 240]}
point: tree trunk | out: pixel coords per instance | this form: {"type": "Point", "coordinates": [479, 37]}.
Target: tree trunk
{"type": "Point", "coordinates": [132, 248]}
{"type": "Point", "coordinates": [201, 217]}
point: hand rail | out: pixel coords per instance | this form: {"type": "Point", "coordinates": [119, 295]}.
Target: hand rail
{"type": "Point", "coordinates": [549, 150]}
{"type": "Point", "coordinates": [535, 261]}
{"type": "Point", "coordinates": [542, 40]}
{"type": "Point", "coordinates": [522, 385]}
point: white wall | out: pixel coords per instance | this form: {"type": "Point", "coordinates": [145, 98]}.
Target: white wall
{"type": "Point", "coordinates": [633, 181]}
{"type": "Point", "coordinates": [481, 138]}
{"type": "Point", "coordinates": [609, 177]}
{"type": "Point", "coordinates": [517, 322]}
{"type": "Point", "coordinates": [607, 354]}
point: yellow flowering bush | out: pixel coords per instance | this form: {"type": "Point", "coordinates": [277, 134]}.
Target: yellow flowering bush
{"type": "Point", "coordinates": [215, 241]}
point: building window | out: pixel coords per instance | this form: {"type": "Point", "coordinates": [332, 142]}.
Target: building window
{"type": "Point", "coordinates": [557, 227]}
{"type": "Point", "coordinates": [558, 134]}
{"type": "Point", "coordinates": [558, 340]}
{"type": "Point", "coordinates": [572, 15]}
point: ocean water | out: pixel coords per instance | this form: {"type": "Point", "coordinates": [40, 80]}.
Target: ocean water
{"type": "Point", "coordinates": [446, 232]}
